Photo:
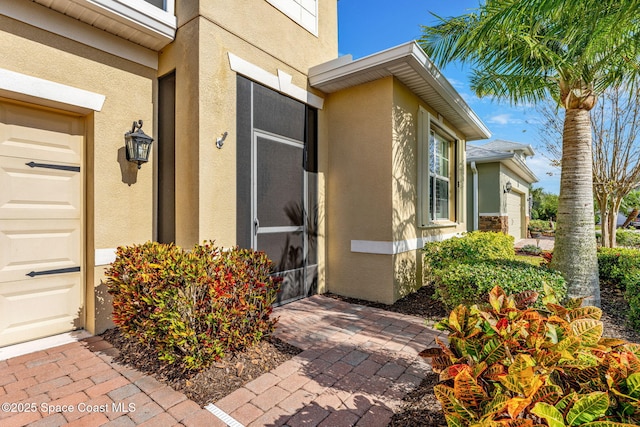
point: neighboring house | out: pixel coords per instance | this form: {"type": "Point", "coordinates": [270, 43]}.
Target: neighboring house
{"type": "Point", "coordinates": [263, 139]}
{"type": "Point", "coordinates": [498, 188]}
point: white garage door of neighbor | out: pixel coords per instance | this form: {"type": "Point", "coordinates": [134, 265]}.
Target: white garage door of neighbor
{"type": "Point", "coordinates": [40, 223]}
{"type": "Point", "coordinates": [514, 211]}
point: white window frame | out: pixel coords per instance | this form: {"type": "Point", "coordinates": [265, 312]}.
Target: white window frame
{"type": "Point", "coordinates": [428, 124]}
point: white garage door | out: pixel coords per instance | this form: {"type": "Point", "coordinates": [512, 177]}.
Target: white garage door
{"type": "Point", "coordinates": [514, 211]}
{"type": "Point", "coordinates": [40, 223]}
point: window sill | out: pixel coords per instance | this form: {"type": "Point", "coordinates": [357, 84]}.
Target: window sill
{"type": "Point", "coordinates": [439, 224]}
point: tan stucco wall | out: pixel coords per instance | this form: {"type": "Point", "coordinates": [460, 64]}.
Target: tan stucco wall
{"type": "Point", "coordinates": [206, 98]}
{"type": "Point", "coordinates": [257, 23]}
{"type": "Point", "coordinates": [118, 196]}
{"type": "Point", "coordinates": [408, 265]}
{"type": "Point", "coordinates": [359, 179]}
{"type": "Point", "coordinates": [372, 190]}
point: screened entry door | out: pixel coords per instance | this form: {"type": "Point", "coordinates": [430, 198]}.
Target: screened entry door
{"type": "Point", "coordinates": [280, 223]}
{"type": "Point", "coordinates": [277, 185]}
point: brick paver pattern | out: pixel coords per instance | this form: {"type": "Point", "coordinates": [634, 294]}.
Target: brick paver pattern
{"type": "Point", "coordinates": [356, 366]}
{"type": "Point", "coordinates": [79, 384]}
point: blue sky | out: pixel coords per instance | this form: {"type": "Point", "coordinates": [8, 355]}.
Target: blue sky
{"type": "Point", "coordinates": [366, 27]}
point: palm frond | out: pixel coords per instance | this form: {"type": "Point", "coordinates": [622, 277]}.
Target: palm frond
{"type": "Point", "coordinates": [517, 48]}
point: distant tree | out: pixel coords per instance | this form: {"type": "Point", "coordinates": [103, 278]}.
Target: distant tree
{"type": "Point", "coordinates": [568, 51]}
{"type": "Point", "coordinates": [615, 122]}
{"type": "Point", "coordinates": [545, 205]}
{"type": "Point", "coordinates": [536, 198]}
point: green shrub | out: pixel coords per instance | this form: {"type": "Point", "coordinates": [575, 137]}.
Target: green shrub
{"type": "Point", "coordinates": [531, 249]}
{"type": "Point", "coordinates": [628, 238]}
{"type": "Point", "coordinates": [539, 225]}
{"type": "Point", "coordinates": [469, 283]}
{"type": "Point", "coordinates": [507, 364]}
{"type": "Point", "coordinates": [620, 267]}
{"type": "Point", "coordinates": [192, 306]}
{"type": "Point", "coordinates": [473, 246]}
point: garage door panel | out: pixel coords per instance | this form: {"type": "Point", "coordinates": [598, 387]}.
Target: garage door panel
{"type": "Point", "coordinates": [39, 307]}
{"type": "Point", "coordinates": [37, 192]}
{"type": "Point", "coordinates": [41, 235]}
{"type": "Point", "coordinates": [47, 135]}
{"type": "Point", "coordinates": [514, 211]}
{"type": "Point", "coordinates": [27, 247]}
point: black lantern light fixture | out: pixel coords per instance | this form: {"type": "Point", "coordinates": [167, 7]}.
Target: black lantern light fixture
{"type": "Point", "coordinates": [507, 187]}
{"type": "Point", "coordinates": [138, 144]}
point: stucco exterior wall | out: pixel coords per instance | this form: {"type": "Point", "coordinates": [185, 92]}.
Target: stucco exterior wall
{"type": "Point", "coordinates": [118, 197]}
{"type": "Point", "coordinates": [261, 25]}
{"type": "Point", "coordinates": [489, 197]}
{"type": "Point", "coordinates": [359, 194]}
{"type": "Point", "coordinates": [372, 192]}
{"type": "Point", "coordinates": [206, 98]}
{"type": "Point", "coordinates": [492, 201]}
{"type": "Point", "coordinates": [517, 183]}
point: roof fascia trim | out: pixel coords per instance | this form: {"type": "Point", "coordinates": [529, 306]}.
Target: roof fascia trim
{"type": "Point", "coordinates": [412, 54]}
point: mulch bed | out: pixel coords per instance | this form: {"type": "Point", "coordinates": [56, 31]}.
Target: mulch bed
{"type": "Point", "coordinates": [420, 406]}
{"type": "Point", "coordinates": [213, 383]}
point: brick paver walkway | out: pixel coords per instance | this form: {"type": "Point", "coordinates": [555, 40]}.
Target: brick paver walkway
{"type": "Point", "coordinates": [78, 384]}
{"type": "Point", "coordinates": [357, 365]}
{"type": "Point", "coordinates": [545, 243]}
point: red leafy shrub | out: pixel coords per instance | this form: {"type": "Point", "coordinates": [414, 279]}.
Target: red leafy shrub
{"type": "Point", "coordinates": [192, 306]}
{"type": "Point", "coordinates": [510, 364]}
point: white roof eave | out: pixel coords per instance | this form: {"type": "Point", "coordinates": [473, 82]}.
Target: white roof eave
{"type": "Point", "coordinates": [344, 72]}
{"type": "Point", "coordinates": [519, 168]}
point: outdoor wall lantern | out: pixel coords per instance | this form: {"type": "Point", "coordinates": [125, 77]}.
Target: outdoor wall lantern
{"type": "Point", "coordinates": [507, 187]}
{"type": "Point", "coordinates": [138, 144]}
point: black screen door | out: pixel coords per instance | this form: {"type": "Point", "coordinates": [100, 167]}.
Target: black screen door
{"type": "Point", "coordinates": [277, 200]}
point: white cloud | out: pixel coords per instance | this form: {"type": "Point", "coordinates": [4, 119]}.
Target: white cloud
{"type": "Point", "coordinates": [457, 84]}
{"type": "Point", "coordinates": [501, 119]}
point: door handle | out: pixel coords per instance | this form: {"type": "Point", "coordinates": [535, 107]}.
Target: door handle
{"type": "Point", "coordinates": [56, 271]}
{"type": "Point", "coordinates": [52, 166]}
{"type": "Point", "coordinates": [256, 225]}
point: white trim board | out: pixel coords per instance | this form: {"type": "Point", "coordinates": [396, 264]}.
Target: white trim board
{"type": "Point", "coordinates": [43, 92]}
{"type": "Point", "coordinates": [492, 214]}
{"type": "Point", "coordinates": [281, 82]}
{"type": "Point", "coordinates": [395, 247]}
{"type": "Point", "coordinates": [105, 256]}
{"type": "Point", "coordinates": [21, 349]}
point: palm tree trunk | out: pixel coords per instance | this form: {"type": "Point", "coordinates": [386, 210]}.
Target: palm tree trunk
{"type": "Point", "coordinates": [575, 253]}
{"type": "Point", "coordinates": [631, 217]}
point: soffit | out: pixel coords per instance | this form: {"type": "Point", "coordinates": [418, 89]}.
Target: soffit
{"type": "Point", "coordinates": [410, 65]}
{"type": "Point", "coordinates": [511, 160]}
{"type": "Point", "coordinates": [133, 20]}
